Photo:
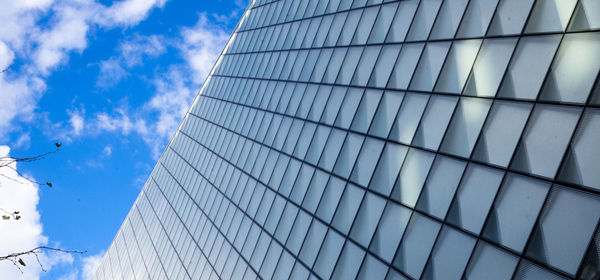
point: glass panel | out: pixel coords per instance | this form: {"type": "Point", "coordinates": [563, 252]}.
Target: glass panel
{"type": "Point", "coordinates": [388, 167]}
{"type": "Point", "coordinates": [550, 16]}
{"type": "Point", "coordinates": [349, 65]}
{"type": "Point", "coordinates": [457, 66]}
{"type": "Point", "coordinates": [390, 231]}
{"type": "Point", "coordinates": [583, 157]}
{"type": "Point", "coordinates": [477, 18]}
{"type": "Point", "coordinates": [530, 271]}
{"type": "Point", "coordinates": [430, 63]}
{"type": "Point", "coordinates": [412, 176]}
{"type": "Point", "coordinates": [510, 17]}
{"type": "Point", "coordinates": [405, 65]}
{"type": "Point", "coordinates": [386, 113]}
{"type": "Point", "coordinates": [421, 24]}
{"type": "Point", "coordinates": [515, 211]}
{"type": "Point", "coordinates": [545, 140]}
{"type": "Point", "coordinates": [318, 143]}
{"type": "Point", "coordinates": [408, 117]}
{"type": "Point", "coordinates": [312, 242]}
{"type": "Point", "coordinates": [344, 215]}
{"type": "Point", "coordinates": [335, 29]}
{"type": "Point", "coordinates": [349, 27]}
{"type": "Point", "coordinates": [448, 19]}
{"type": "Point", "coordinates": [450, 255]}
{"type": "Point", "coordinates": [372, 269]}
{"type": "Point", "coordinates": [404, 17]}
{"type": "Point", "coordinates": [366, 162]}
{"type": "Point", "coordinates": [366, 110]}
{"type": "Point", "coordinates": [298, 233]}
{"type": "Point", "coordinates": [349, 107]}
{"type": "Point", "coordinates": [367, 219]}
{"type": "Point", "coordinates": [328, 255]}
{"type": "Point", "coordinates": [501, 132]}
{"type": "Point", "coordinates": [586, 16]}
{"type": "Point", "coordinates": [318, 106]}
{"type": "Point", "coordinates": [490, 66]}
{"type": "Point", "coordinates": [315, 191]}
{"type": "Point", "coordinates": [365, 66]}
{"type": "Point", "coordinates": [441, 186]}
{"type": "Point", "coordinates": [491, 263]}
{"type": "Point", "coordinates": [574, 70]}
{"type": "Point", "coordinates": [434, 122]}
{"type": "Point", "coordinates": [529, 66]}
{"type": "Point", "coordinates": [334, 65]}
{"type": "Point", "coordinates": [416, 245]}
{"type": "Point", "coordinates": [383, 23]}
{"type": "Point", "coordinates": [331, 197]}
{"type": "Point", "coordinates": [565, 228]}
{"type": "Point", "coordinates": [384, 66]}
{"type": "Point", "coordinates": [284, 266]}
{"type": "Point", "coordinates": [474, 198]}
{"type": "Point", "coordinates": [333, 105]}
{"type": "Point", "coordinates": [348, 155]}
{"type": "Point", "coordinates": [465, 126]}
{"type": "Point", "coordinates": [364, 27]}
{"type": "Point", "coordinates": [332, 149]}
{"type": "Point", "coordinates": [349, 262]}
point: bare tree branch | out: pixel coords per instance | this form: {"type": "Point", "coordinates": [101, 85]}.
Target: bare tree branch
{"type": "Point", "coordinates": [5, 69]}
{"type": "Point", "coordinates": [16, 259]}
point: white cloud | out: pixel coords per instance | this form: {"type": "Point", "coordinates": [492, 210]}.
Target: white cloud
{"type": "Point", "coordinates": [131, 53]}
{"type": "Point", "coordinates": [39, 36]}
{"type": "Point", "coordinates": [77, 122]}
{"type": "Point", "coordinates": [107, 151]}
{"type": "Point", "coordinates": [19, 194]}
{"type": "Point", "coordinates": [90, 264]}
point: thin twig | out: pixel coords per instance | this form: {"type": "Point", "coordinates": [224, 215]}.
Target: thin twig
{"type": "Point", "coordinates": [16, 260]}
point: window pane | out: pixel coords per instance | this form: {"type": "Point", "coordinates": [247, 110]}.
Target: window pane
{"type": "Point", "coordinates": [412, 176]}
{"type": "Point", "coordinates": [344, 215]}
{"type": "Point", "coordinates": [364, 67]}
{"type": "Point", "coordinates": [545, 140]}
{"type": "Point", "coordinates": [515, 211]}
{"type": "Point", "coordinates": [448, 18]}
{"type": "Point", "coordinates": [501, 132]}
{"type": "Point", "coordinates": [328, 255]}
{"type": "Point", "coordinates": [583, 158]}
{"type": "Point", "coordinates": [367, 219]}
{"type": "Point", "coordinates": [372, 269]}
{"type": "Point", "coordinates": [490, 67]}
{"type": "Point", "coordinates": [441, 185]}
{"type": "Point", "coordinates": [450, 255]}
{"type": "Point", "coordinates": [528, 67]}
{"type": "Point", "coordinates": [383, 23]}
{"type": "Point", "coordinates": [408, 117]}
{"type": "Point", "coordinates": [349, 107]}
{"type": "Point", "coordinates": [390, 231]}
{"type": "Point", "coordinates": [348, 155]}
{"type": "Point", "coordinates": [386, 113]}
{"type": "Point", "coordinates": [388, 167]}
{"type": "Point", "coordinates": [366, 162]}
{"type": "Point", "coordinates": [465, 126]}
{"type": "Point", "coordinates": [430, 63]}
{"type": "Point", "coordinates": [434, 122]}
{"type": "Point", "coordinates": [474, 198]}
{"type": "Point", "coordinates": [421, 24]}
{"type": "Point", "coordinates": [574, 70]}
{"type": "Point", "coordinates": [491, 263]}
{"type": "Point", "coordinates": [477, 18]}
{"type": "Point", "coordinates": [312, 242]}
{"type": "Point", "coordinates": [565, 228]}
{"type": "Point", "coordinates": [457, 66]}
{"type": "Point", "coordinates": [364, 27]}
{"type": "Point", "coordinates": [585, 18]}
{"type": "Point", "coordinates": [530, 271]}
{"type": "Point", "coordinates": [405, 65]}
{"type": "Point", "coordinates": [510, 17]}
{"type": "Point", "coordinates": [550, 16]}
{"type": "Point", "coordinates": [416, 245]}
{"type": "Point", "coordinates": [384, 66]}
{"type": "Point", "coordinates": [332, 149]}
{"type": "Point", "coordinates": [330, 199]}
{"type": "Point", "coordinates": [349, 262]}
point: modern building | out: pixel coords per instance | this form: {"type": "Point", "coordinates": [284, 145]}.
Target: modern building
{"type": "Point", "coordinates": [383, 140]}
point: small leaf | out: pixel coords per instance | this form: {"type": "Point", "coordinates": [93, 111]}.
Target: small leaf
{"type": "Point", "coordinates": [17, 217]}
{"type": "Point", "coordinates": [49, 184]}
{"type": "Point", "coordinates": [16, 212]}
{"type": "Point", "coordinates": [4, 217]}
{"type": "Point", "coordinates": [57, 144]}
{"type": "Point", "coordinates": [22, 262]}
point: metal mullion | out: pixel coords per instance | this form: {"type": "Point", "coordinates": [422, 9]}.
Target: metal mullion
{"type": "Point", "coordinates": [237, 206]}
{"type": "Point", "coordinates": [571, 185]}
{"type": "Point", "coordinates": [183, 223]}
{"type": "Point", "coordinates": [400, 203]}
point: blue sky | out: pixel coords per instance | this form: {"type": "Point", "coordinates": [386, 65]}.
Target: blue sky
{"type": "Point", "coordinates": [111, 81]}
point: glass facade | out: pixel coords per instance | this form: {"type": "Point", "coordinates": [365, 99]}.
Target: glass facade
{"type": "Point", "coordinates": [381, 139]}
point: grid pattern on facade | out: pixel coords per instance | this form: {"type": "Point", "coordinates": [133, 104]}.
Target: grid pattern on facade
{"type": "Point", "coordinates": [383, 140]}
